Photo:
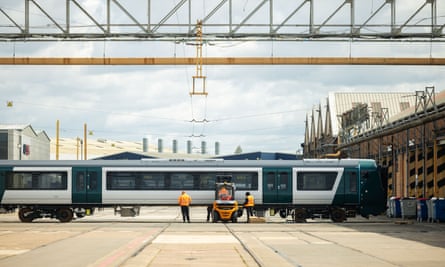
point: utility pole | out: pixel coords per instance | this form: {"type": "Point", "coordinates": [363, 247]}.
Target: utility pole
{"type": "Point", "coordinates": [57, 139]}
{"type": "Point", "coordinates": [85, 141]}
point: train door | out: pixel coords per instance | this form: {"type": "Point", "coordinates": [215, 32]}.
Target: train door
{"type": "Point", "coordinates": [351, 186]}
{"type": "Point", "coordinates": [277, 185]}
{"type": "Point", "coordinates": [87, 185]}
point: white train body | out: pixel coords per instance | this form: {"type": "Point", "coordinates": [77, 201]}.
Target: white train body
{"type": "Point", "coordinates": [315, 186]}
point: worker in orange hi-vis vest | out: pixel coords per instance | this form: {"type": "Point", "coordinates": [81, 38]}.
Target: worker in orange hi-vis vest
{"type": "Point", "coordinates": [248, 204]}
{"type": "Point", "coordinates": [184, 200]}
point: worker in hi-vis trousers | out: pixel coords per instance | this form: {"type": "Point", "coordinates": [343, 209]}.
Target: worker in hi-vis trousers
{"type": "Point", "coordinates": [249, 202]}
{"type": "Point", "coordinates": [184, 201]}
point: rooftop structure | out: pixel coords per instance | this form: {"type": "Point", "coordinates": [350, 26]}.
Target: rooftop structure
{"type": "Point", "coordinates": [72, 149]}
{"type": "Point", "coordinates": [345, 115]}
{"type": "Point", "coordinates": [404, 133]}
{"type": "Point", "coordinates": [22, 142]}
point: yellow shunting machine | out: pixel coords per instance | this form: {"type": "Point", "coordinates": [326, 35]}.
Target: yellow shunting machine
{"type": "Point", "coordinates": [225, 207]}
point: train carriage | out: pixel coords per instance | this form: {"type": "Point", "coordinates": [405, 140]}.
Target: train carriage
{"type": "Point", "coordinates": [303, 189]}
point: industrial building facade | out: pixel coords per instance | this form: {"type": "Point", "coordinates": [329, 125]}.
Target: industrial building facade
{"type": "Point", "coordinates": [21, 142]}
{"type": "Point", "coordinates": [403, 132]}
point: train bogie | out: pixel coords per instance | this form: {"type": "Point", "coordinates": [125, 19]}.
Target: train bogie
{"type": "Point", "coordinates": [28, 214]}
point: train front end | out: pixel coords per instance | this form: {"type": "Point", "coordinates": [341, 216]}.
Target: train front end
{"type": "Point", "coordinates": [372, 192]}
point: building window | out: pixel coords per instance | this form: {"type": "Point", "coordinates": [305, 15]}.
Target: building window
{"type": "Point", "coordinates": [3, 145]}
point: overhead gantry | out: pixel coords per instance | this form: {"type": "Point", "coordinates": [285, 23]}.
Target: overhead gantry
{"type": "Point", "coordinates": [223, 20]}
{"type": "Point", "coordinates": [261, 20]}
{"type": "Point", "coordinates": [221, 61]}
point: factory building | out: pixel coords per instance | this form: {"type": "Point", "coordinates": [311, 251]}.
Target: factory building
{"type": "Point", "coordinates": [99, 148]}
{"type": "Point", "coordinates": [403, 132]}
{"type": "Point", "coordinates": [22, 142]}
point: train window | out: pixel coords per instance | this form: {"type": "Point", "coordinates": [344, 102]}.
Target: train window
{"type": "Point", "coordinates": [181, 181]}
{"type": "Point", "coordinates": [207, 181]}
{"type": "Point", "coordinates": [245, 181]}
{"type": "Point", "coordinates": [93, 181]}
{"type": "Point", "coordinates": [36, 180]}
{"type": "Point", "coordinates": [52, 181]}
{"type": "Point", "coordinates": [284, 176]}
{"type": "Point", "coordinates": [352, 182]}
{"type": "Point", "coordinates": [315, 181]}
{"type": "Point", "coordinates": [18, 180]}
{"type": "Point", "coordinates": [121, 181]}
{"type": "Point", "coordinates": [176, 180]}
{"type": "Point", "coordinates": [80, 182]}
{"type": "Point", "coordinates": [270, 181]}
{"type": "Point", "coordinates": [152, 181]}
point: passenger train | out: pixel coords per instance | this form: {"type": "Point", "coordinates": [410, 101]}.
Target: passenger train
{"type": "Point", "coordinates": [327, 188]}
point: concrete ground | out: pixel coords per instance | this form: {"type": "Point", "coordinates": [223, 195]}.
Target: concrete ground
{"type": "Point", "coordinates": [159, 238]}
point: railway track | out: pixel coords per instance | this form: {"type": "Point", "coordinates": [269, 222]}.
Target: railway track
{"type": "Point", "coordinates": [146, 244]}
{"type": "Point", "coordinates": [131, 244]}
{"type": "Point", "coordinates": [262, 253]}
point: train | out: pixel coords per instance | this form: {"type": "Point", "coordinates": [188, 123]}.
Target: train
{"type": "Point", "coordinates": [300, 189]}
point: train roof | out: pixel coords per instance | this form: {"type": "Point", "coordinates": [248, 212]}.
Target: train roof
{"type": "Point", "coordinates": [187, 163]}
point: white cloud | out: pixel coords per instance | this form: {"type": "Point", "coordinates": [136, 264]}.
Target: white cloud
{"type": "Point", "coordinates": [260, 108]}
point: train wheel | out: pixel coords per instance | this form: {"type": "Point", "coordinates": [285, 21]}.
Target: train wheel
{"type": "Point", "coordinates": [283, 214]}
{"type": "Point", "coordinates": [26, 215]}
{"type": "Point", "coordinates": [64, 214]}
{"type": "Point", "coordinates": [299, 215]}
{"type": "Point", "coordinates": [338, 215]}
{"type": "Point", "coordinates": [80, 213]}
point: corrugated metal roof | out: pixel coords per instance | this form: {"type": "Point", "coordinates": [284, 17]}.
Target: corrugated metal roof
{"type": "Point", "coordinates": [439, 100]}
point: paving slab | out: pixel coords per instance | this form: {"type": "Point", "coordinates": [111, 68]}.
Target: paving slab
{"type": "Point", "coordinates": [159, 238]}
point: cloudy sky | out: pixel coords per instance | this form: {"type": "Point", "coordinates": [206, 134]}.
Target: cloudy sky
{"type": "Point", "coordinates": [260, 108]}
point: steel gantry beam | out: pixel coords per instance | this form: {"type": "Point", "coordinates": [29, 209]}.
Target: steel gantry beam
{"type": "Point", "coordinates": [278, 20]}
{"type": "Point", "coordinates": [224, 61]}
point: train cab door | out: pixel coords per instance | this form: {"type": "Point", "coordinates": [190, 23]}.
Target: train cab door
{"type": "Point", "coordinates": [277, 185]}
{"type": "Point", "coordinates": [87, 185]}
{"type": "Point", "coordinates": [351, 195]}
